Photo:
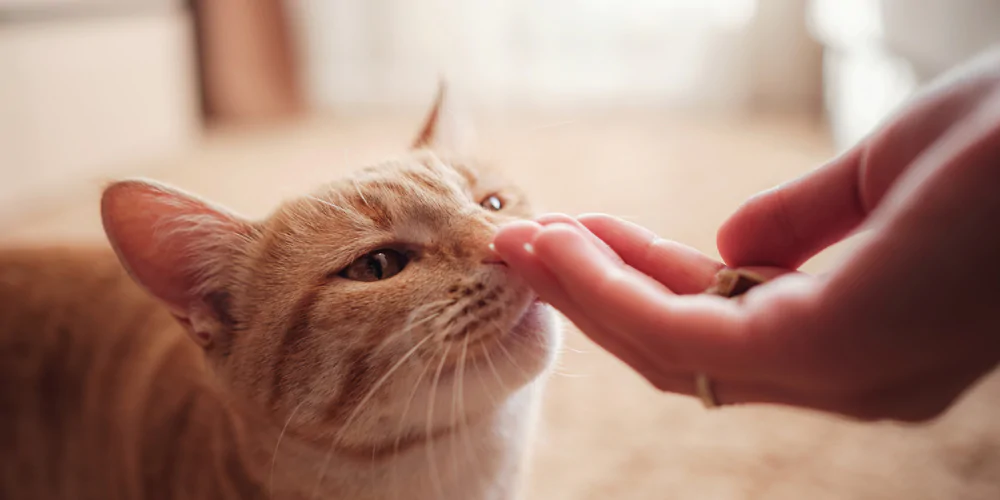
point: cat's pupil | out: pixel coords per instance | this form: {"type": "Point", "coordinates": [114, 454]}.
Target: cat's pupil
{"type": "Point", "coordinates": [492, 202]}
{"type": "Point", "coordinates": [375, 266]}
{"type": "Point", "coordinates": [377, 263]}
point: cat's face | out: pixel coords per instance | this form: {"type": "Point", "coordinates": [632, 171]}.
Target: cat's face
{"type": "Point", "coordinates": [372, 311]}
{"type": "Point", "coordinates": [380, 293]}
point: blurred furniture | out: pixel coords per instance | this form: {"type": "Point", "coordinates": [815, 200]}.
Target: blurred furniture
{"type": "Point", "coordinates": [878, 52]}
{"type": "Point", "coordinates": [88, 88]}
{"type": "Point", "coordinates": [726, 55]}
{"type": "Point", "coordinates": [248, 68]}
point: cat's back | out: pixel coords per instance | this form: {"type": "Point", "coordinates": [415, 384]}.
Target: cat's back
{"type": "Point", "coordinates": [83, 351]}
{"type": "Point", "coordinates": [46, 286]}
{"type": "Point", "coordinates": [65, 301]}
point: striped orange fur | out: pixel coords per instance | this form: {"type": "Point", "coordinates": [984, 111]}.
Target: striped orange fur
{"type": "Point", "coordinates": [361, 342]}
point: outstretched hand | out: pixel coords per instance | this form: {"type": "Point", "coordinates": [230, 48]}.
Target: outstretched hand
{"type": "Point", "coordinates": [898, 330]}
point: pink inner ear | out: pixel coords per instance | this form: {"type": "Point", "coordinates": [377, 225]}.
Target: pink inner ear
{"type": "Point", "coordinates": [443, 130]}
{"type": "Point", "coordinates": [428, 135]}
{"type": "Point", "coordinates": [170, 242]}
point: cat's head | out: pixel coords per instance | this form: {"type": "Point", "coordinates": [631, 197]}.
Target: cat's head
{"type": "Point", "coordinates": [373, 307]}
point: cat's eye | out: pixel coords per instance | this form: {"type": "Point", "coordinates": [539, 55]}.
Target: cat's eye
{"type": "Point", "coordinates": [492, 202]}
{"type": "Point", "coordinates": [378, 265]}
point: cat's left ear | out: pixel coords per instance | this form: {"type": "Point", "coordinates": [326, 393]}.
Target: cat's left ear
{"type": "Point", "coordinates": [179, 248]}
{"type": "Point", "coordinates": [446, 129]}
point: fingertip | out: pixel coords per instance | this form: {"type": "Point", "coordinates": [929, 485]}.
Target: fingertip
{"type": "Point", "coordinates": [731, 238]}
{"type": "Point", "coordinates": [551, 238]}
{"type": "Point", "coordinates": [517, 228]}
{"type": "Point", "coordinates": [555, 218]}
{"type": "Point", "coordinates": [593, 218]}
{"type": "Point", "coordinates": [512, 238]}
{"type": "Point", "coordinates": [758, 232]}
{"type": "Point", "coordinates": [786, 225]}
{"type": "Point", "coordinates": [566, 248]}
{"type": "Point", "coordinates": [607, 226]}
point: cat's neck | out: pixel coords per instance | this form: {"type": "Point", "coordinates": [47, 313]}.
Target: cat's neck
{"type": "Point", "coordinates": [479, 461]}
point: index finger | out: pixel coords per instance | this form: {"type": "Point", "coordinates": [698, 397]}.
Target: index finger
{"type": "Point", "coordinates": [683, 332]}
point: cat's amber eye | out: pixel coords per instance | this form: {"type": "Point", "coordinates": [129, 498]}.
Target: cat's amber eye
{"type": "Point", "coordinates": [378, 265]}
{"type": "Point", "coordinates": [492, 202]}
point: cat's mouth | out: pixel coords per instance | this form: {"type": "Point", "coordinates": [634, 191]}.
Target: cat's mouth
{"type": "Point", "coordinates": [528, 323]}
{"type": "Point", "coordinates": [527, 331]}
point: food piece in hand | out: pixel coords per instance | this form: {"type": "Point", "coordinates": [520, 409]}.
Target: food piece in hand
{"type": "Point", "coordinates": [734, 282]}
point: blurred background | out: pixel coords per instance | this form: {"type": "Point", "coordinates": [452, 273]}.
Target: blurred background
{"type": "Point", "coordinates": [667, 112]}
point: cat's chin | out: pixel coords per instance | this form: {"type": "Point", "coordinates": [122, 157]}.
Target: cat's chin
{"type": "Point", "coordinates": [536, 321]}
{"type": "Point", "coordinates": [533, 340]}
{"type": "Point", "coordinates": [528, 347]}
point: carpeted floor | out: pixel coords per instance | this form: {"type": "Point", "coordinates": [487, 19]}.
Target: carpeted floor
{"type": "Point", "coordinates": [606, 434]}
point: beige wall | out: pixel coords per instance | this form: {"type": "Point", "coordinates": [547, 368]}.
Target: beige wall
{"type": "Point", "coordinates": [83, 96]}
{"type": "Point", "coordinates": [721, 54]}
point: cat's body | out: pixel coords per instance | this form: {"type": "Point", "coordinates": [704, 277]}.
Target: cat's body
{"type": "Point", "coordinates": [278, 359]}
{"type": "Point", "coordinates": [101, 393]}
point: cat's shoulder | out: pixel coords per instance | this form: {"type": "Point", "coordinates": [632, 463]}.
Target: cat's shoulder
{"type": "Point", "coordinates": [75, 288]}
{"type": "Point", "coordinates": [56, 272]}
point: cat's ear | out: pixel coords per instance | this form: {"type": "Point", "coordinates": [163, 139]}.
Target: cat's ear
{"type": "Point", "coordinates": [177, 247]}
{"type": "Point", "coordinates": [446, 129]}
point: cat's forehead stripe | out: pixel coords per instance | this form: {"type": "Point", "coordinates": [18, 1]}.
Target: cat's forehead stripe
{"type": "Point", "coordinates": [407, 195]}
{"type": "Point", "coordinates": [428, 180]}
{"type": "Point", "coordinates": [417, 231]}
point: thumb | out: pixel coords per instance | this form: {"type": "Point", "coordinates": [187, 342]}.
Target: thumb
{"type": "Point", "coordinates": [787, 225]}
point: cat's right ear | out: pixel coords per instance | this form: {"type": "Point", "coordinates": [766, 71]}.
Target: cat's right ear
{"type": "Point", "coordinates": [177, 247]}
{"type": "Point", "coordinates": [446, 129]}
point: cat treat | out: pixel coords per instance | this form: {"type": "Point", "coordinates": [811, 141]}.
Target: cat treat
{"type": "Point", "coordinates": [734, 282]}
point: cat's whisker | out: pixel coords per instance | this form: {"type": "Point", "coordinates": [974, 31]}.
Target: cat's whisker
{"type": "Point", "coordinates": [331, 205]}
{"type": "Point", "coordinates": [559, 368]}
{"type": "Point", "coordinates": [493, 368]}
{"type": "Point", "coordinates": [361, 405]}
{"type": "Point", "coordinates": [461, 404]}
{"type": "Point", "coordinates": [410, 324]}
{"type": "Point", "coordinates": [514, 361]}
{"type": "Point", "coordinates": [274, 456]}
{"type": "Point", "coordinates": [378, 384]}
{"type": "Point", "coordinates": [573, 350]}
{"type": "Point", "coordinates": [482, 383]}
{"type": "Point", "coordinates": [453, 419]}
{"type": "Point", "coordinates": [402, 421]}
{"type": "Point", "coordinates": [435, 475]}
{"type": "Point", "coordinates": [508, 355]}
{"type": "Point", "coordinates": [559, 363]}
{"type": "Point", "coordinates": [357, 187]}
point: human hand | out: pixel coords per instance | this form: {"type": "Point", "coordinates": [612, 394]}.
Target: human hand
{"type": "Point", "coordinates": [897, 330]}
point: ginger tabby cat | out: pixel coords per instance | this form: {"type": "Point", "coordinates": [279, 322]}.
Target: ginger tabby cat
{"type": "Point", "coordinates": [359, 343]}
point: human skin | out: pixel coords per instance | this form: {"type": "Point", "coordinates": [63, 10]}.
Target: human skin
{"type": "Point", "coordinates": [898, 329]}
